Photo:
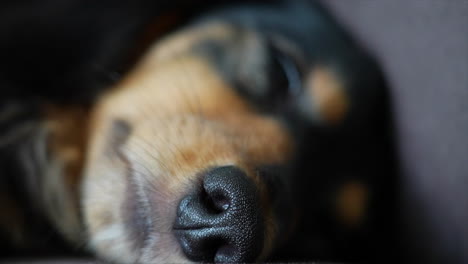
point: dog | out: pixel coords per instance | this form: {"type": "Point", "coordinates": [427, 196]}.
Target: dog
{"type": "Point", "coordinates": [245, 133]}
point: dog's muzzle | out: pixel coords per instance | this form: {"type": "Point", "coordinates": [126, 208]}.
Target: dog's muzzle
{"type": "Point", "coordinates": [222, 222]}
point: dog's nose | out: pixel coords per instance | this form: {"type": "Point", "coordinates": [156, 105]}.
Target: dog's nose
{"type": "Point", "coordinates": [222, 222]}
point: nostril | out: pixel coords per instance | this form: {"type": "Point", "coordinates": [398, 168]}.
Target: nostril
{"type": "Point", "coordinates": [228, 185]}
{"type": "Point", "coordinates": [222, 222]}
{"type": "Point", "coordinates": [226, 254]}
{"type": "Point", "coordinates": [218, 245]}
{"type": "Point", "coordinates": [199, 244]}
{"type": "Point", "coordinates": [218, 201]}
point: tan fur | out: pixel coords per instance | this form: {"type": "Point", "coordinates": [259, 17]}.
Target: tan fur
{"type": "Point", "coordinates": [67, 138]}
{"type": "Point", "coordinates": [184, 119]}
{"type": "Point", "coordinates": [327, 93]}
{"type": "Point", "coordinates": [186, 39]}
{"type": "Point", "coordinates": [351, 203]}
{"type": "Point", "coordinates": [66, 129]}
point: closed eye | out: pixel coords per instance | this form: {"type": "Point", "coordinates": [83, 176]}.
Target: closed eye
{"type": "Point", "coordinates": [290, 72]}
{"type": "Point", "coordinates": [284, 75]}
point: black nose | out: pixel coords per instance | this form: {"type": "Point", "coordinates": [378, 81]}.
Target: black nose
{"type": "Point", "coordinates": [222, 222]}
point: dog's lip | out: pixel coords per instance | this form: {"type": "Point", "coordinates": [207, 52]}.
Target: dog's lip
{"type": "Point", "coordinates": [195, 227]}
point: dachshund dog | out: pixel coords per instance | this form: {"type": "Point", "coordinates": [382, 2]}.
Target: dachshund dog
{"type": "Point", "coordinates": [245, 133]}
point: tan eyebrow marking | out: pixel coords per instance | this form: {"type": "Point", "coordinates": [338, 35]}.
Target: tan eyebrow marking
{"type": "Point", "coordinates": [327, 93]}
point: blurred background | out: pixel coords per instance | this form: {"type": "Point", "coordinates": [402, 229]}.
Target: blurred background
{"type": "Point", "coordinates": [421, 45]}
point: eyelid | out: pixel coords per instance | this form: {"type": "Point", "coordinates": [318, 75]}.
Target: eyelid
{"type": "Point", "coordinates": [292, 74]}
{"type": "Point", "coordinates": [291, 59]}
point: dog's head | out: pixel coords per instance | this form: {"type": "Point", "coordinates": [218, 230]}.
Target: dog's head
{"type": "Point", "coordinates": [193, 155]}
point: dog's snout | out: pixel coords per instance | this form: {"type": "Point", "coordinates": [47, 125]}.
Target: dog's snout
{"type": "Point", "coordinates": [222, 222]}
